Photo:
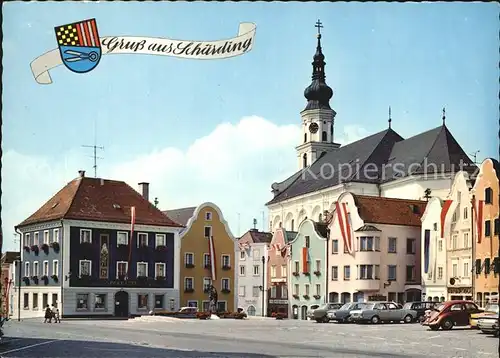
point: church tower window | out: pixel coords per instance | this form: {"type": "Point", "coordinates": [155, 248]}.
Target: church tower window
{"type": "Point", "coordinates": [292, 226]}
{"type": "Point", "coordinates": [304, 160]}
{"type": "Point", "coordinates": [305, 137]}
{"type": "Point", "coordinates": [324, 136]}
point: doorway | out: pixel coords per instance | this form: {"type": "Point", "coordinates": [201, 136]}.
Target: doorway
{"type": "Point", "coordinates": [121, 304]}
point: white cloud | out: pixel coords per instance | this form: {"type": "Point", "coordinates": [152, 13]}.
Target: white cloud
{"type": "Point", "coordinates": [233, 166]}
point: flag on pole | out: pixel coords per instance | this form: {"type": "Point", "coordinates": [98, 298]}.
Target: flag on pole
{"type": "Point", "coordinates": [132, 223]}
{"type": "Point", "coordinates": [211, 250]}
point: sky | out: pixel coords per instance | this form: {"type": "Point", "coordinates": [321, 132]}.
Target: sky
{"type": "Point", "coordinates": [225, 130]}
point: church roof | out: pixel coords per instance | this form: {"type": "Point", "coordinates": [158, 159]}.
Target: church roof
{"type": "Point", "coordinates": [180, 216]}
{"type": "Point", "coordinates": [372, 160]}
{"type": "Point", "coordinates": [96, 199]}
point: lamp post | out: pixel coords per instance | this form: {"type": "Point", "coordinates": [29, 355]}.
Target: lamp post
{"type": "Point", "coordinates": [327, 294]}
{"type": "Point", "coordinates": [263, 287]}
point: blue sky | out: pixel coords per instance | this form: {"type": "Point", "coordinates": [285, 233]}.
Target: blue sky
{"type": "Point", "coordinates": [415, 57]}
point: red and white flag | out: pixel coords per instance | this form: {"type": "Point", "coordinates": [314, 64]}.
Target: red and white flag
{"type": "Point", "coordinates": [211, 250]}
{"type": "Point", "coordinates": [478, 216]}
{"type": "Point", "coordinates": [132, 223]}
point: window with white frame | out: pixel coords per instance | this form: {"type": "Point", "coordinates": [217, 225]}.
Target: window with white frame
{"type": "Point", "coordinates": [273, 291]}
{"type": "Point", "coordinates": [255, 291]}
{"type": "Point", "coordinates": [82, 301]}
{"type": "Point", "coordinates": [161, 240]}
{"type": "Point", "coordinates": [121, 238]}
{"type": "Point", "coordinates": [296, 289]}
{"type": "Point", "coordinates": [55, 237]}
{"type": "Point", "coordinates": [27, 269]}
{"type": "Point", "coordinates": [46, 237]}
{"type": "Point", "coordinates": [55, 267]}
{"type": "Point", "coordinates": [142, 239]}
{"type": "Point", "coordinates": [121, 269]}
{"type": "Point", "coordinates": [206, 260]}
{"type": "Point", "coordinates": [85, 235]}
{"type": "Point", "coordinates": [226, 261]}
{"type": "Point", "coordinates": [466, 240]}
{"type": "Point", "coordinates": [256, 270]}
{"type": "Point", "coordinates": [440, 273]}
{"type": "Point", "coordinates": [188, 258]}
{"type": "Point", "coordinates": [307, 289]}
{"type": "Point", "coordinates": [142, 269]}
{"type": "Point", "coordinates": [221, 306]}
{"type": "Point", "coordinates": [284, 292]}
{"type": "Point", "coordinates": [455, 270]}
{"type": "Point", "coordinates": [440, 245]}
{"type": "Point", "coordinates": [242, 270]}
{"type": "Point", "coordinates": [466, 269]}
{"type": "Point", "coordinates": [256, 254]}
{"type": "Point", "coordinates": [335, 273]}
{"type": "Point", "coordinates": [45, 269]}
{"type": "Point", "coordinates": [188, 283]}
{"type": "Point", "coordinates": [35, 269]}
{"type": "Point", "coordinates": [241, 291]}
{"type": "Point", "coordinates": [335, 246]}
{"type": "Point", "coordinates": [273, 271]}
{"type": "Point", "coordinates": [283, 271]}
{"type": "Point", "coordinates": [85, 268]}
{"type": "Point", "coordinates": [36, 240]}
{"type": "Point", "coordinates": [225, 284]}
{"type": "Point", "coordinates": [100, 301]}
{"type": "Point", "coordinates": [142, 301]}
{"type": "Point", "coordinates": [318, 289]}
{"type": "Point", "coordinates": [318, 266]}
{"type": "Point", "coordinates": [208, 216]}
{"type": "Point", "coordinates": [242, 255]}
{"type": "Point", "coordinates": [208, 231]}
{"type": "Point", "coordinates": [466, 213]}
{"type": "Point", "coordinates": [193, 303]}
{"type": "Point", "coordinates": [160, 269]}
{"type": "Point", "coordinates": [454, 242]}
{"type": "Point", "coordinates": [27, 240]}
{"type": "Point", "coordinates": [159, 301]}
{"type": "Point", "coordinates": [297, 267]}
{"type": "Point", "coordinates": [207, 281]}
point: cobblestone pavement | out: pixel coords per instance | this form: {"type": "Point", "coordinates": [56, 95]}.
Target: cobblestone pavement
{"type": "Point", "coordinates": [151, 337]}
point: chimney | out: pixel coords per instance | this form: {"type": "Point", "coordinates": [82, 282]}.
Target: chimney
{"type": "Point", "coordinates": [81, 173]}
{"type": "Point", "coordinates": [144, 190]}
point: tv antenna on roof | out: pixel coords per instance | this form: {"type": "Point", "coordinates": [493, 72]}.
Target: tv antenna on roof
{"type": "Point", "coordinates": [474, 155]}
{"type": "Point", "coordinates": [95, 147]}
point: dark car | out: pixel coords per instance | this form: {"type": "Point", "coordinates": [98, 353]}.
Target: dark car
{"type": "Point", "coordinates": [450, 314]}
{"type": "Point", "coordinates": [343, 314]}
{"type": "Point", "coordinates": [320, 314]}
{"type": "Point", "coordinates": [420, 308]}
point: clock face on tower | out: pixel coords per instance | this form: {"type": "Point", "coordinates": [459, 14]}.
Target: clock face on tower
{"type": "Point", "coordinates": [313, 127]}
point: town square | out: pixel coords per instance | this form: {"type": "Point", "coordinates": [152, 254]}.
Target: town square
{"type": "Point", "coordinates": [291, 180]}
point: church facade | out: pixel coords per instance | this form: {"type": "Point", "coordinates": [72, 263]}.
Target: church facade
{"type": "Point", "coordinates": [383, 164]}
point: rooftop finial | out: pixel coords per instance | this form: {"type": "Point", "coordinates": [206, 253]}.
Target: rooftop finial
{"type": "Point", "coordinates": [390, 119]}
{"type": "Point", "coordinates": [319, 26]}
{"type": "Point", "coordinates": [444, 115]}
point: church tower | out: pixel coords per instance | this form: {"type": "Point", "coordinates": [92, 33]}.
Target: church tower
{"type": "Point", "coordinates": [318, 117]}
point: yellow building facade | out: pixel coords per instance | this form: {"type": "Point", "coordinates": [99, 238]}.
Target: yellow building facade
{"type": "Point", "coordinates": [207, 258]}
{"type": "Point", "coordinates": [486, 227]}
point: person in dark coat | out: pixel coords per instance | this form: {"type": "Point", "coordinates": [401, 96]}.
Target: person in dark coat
{"type": "Point", "coordinates": [48, 315]}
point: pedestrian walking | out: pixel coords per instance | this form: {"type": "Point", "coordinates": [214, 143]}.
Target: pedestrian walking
{"type": "Point", "coordinates": [48, 315]}
{"type": "Point", "coordinates": [55, 313]}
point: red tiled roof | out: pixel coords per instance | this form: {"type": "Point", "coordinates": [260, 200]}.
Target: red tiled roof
{"type": "Point", "coordinates": [389, 211]}
{"type": "Point", "coordinates": [97, 199]}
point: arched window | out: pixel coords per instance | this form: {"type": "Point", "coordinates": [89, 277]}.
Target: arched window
{"type": "Point", "coordinates": [305, 137]}
{"type": "Point", "coordinates": [293, 224]}
{"type": "Point", "coordinates": [304, 160]}
{"type": "Point", "coordinates": [280, 225]}
{"type": "Point", "coordinates": [324, 136]}
{"type": "Point", "coordinates": [320, 217]}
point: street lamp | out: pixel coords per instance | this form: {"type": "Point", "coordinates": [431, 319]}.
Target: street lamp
{"type": "Point", "coordinates": [263, 286]}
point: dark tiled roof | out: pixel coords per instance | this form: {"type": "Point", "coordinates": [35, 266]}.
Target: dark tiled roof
{"type": "Point", "coordinates": [99, 200]}
{"type": "Point", "coordinates": [290, 235]}
{"type": "Point", "coordinates": [367, 228]}
{"type": "Point", "coordinates": [180, 216]}
{"type": "Point", "coordinates": [10, 256]}
{"type": "Point", "coordinates": [390, 211]}
{"type": "Point", "coordinates": [367, 160]}
{"type": "Point", "coordinates": [257, 236]}
{"type": "Point", "coordinates": [321, 229]}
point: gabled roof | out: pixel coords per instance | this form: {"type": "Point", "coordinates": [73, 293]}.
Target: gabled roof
{"type": "Point", "coordinates": [389, 211]}
{"type": "Point", "coordinates": [290, 235]}
{"type": "Point", "coordinates": [10, 256]}
{"type": "Point", "coordinates": [180, 216]}
{"type": "Point", "coordinates": [372, 159]}
{"type": "Point", "coordinates": [321, 228]}
{"type": "Point", "coordinates": [96, 199]}
{"type": "Point", "coordinates": [366, 228]}
{"type": "Point", "coordinates": [258, 237]}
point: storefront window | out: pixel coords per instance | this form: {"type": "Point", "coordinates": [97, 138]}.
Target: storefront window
{"type": "Point", "coordinates": [142, 302]}
{"type": "Point", "coordinates": [159, 301]}
{"type": "Point", "coordinates": [100, 301]}
{"type": "Point", "coordinates": [82, 301]}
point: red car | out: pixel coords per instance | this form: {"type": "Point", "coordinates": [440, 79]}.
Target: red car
{"type": "Point", "coordinates": [450, 314]}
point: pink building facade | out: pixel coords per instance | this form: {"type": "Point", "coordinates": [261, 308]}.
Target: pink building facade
{"type": "Point", "coordinates": [374, 249]}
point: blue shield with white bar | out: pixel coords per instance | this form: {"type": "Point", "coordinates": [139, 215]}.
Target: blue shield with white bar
{"type": "Point", "coordinates": [79, 45]}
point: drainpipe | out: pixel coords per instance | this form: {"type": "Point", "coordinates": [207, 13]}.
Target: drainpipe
{"type": "Point", "coordinates": [63, 275]}
{"type": "Point", "coordinates": [327, 293]}
{"type": "Point", "coordinates": [473, 250]}
{"type": "Point", "coordinates": [19, 277]}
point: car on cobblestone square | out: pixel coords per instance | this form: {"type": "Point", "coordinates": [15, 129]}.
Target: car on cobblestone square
{"type": "Point", "coordinates": [321, 313]}
{"type": "Point", "coordinates": [421, 308]}
{"type": "Point", "coordinates": [490, 308]}
{"type": "Point", "coordinates": [377, 312]}
{"type": "Point", "coordinates": [450, 314]}
{"type": "Point", "coordinates": [343, 314]}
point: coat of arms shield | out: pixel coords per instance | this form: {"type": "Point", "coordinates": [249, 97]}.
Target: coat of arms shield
{"type": "Point", "coordinates": [79, 45]}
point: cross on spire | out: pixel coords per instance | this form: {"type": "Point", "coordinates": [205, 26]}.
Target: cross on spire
{"type": "Point", "coordinates": [390, 119]}
{"type": "Point", "coordinates": [319, 26]}
{"type": "Point", "coordinates": [444, 115]}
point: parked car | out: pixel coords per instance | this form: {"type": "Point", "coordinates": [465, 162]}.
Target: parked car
{"type": "Point", "coordinates": [489, 309]}
{"type": "Point", "coordinates": [376, 312]}
{"type": "Point", "coordinates": [320, 314]}
{"type": "Point", "coordinates": [450, 314]}
{"type": "Point", "coordinates": [188, 310]}
{"type": "Point", "coordinates": [310, 312]}
{"type": "Point", "coordinates": [489, 324]}
{"type": "Point", "coordinates": [343, 314]}
{"type": "Point", "coordinates": [420, 308]}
